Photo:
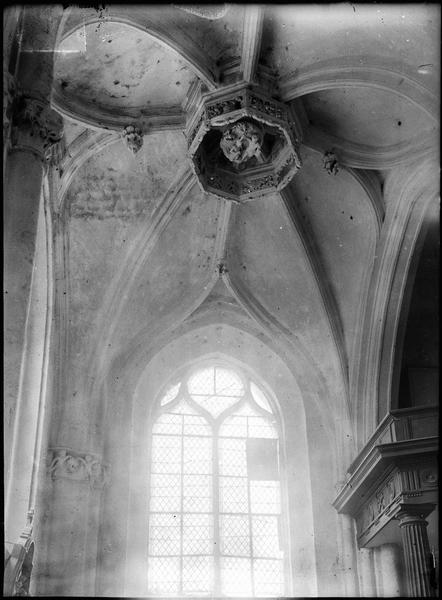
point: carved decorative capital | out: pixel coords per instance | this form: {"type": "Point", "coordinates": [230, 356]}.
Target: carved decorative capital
{"type": "Point", "coordinates": [78, 466]}
{"type": "Point", "coordinates": [414, 514]}
{"type": "Point", "coordinates": [331, 163]}
{"type": "Point", "coordinates": [133, 136]}
{"type": "Point", "coordinates": [35, 126]}
{"type": "Point", "coordinates": [417, 554]}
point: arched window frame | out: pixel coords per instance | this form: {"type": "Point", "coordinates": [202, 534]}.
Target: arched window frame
{"type": "Point", "coordinates": [182, 376]}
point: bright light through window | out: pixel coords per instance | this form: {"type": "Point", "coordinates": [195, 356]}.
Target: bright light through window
{"type": "Point", "coordinates": [215, 498]}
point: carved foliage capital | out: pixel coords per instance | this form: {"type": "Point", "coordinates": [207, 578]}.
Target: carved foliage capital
{"type": "Point", "coordinates": [78, 466]}
{"type": "Point", "coordinates": [35, 125]}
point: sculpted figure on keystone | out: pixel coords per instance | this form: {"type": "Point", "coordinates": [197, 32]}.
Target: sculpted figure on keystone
{"type": "Point", "coordinates": [241, 141]}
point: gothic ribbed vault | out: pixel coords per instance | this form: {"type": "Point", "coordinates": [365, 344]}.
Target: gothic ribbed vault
{"type": "Point", "coordinates": [307, 280]}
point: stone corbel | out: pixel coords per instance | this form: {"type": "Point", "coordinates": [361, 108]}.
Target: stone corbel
{"type": "Point", "coordinates": [78, 466]}
{"type": "Point", "coordinates": [331, 164]}
{"type": "Point", "coordinates": [133, 136]}
{"type": "Point", "coordinates": [35, 126]}
{"type": "Point", "coordinates": [55, 154]}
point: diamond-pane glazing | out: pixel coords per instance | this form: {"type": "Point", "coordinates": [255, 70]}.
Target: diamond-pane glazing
{"type": "Point", "coordinates": [170, 394]}
{"type": "Point", "coordinates": [236, 576]}
{"type": "Point", "coordinates": [164, 575]}
{"type": "Point", "coordinates": [234, 426]}
{"type": "Point", "coordinates": [168, 423]}
{"type": "Point", "coordinates": [232, 457]}
{"type": "Point", "coordinates": [166, 454]}
{"type": "Point", "coordinates": [183, 408]}
{"type": "Point", "coordinates": [265, 537]}
{"type": "Point", "coordinates": [181, 523]}
{"type": "Point", "coordinates": [197, 455]}
{"type": "Point", "coordinates": [215, 405]}
{"type": "Point", "coordinates": [265, 497]}
{"type": "Point", "coordinates": [196, 425]}
{"type": "Point", "coordinates": [260, 427]}
{"type": "Point", "coordinates": [197, 534]}
{"type": "Point", "coordinates": [259, 397]}
{"type": "Point", "coordinates": [228, 383]}
{"type": "Point", "coordinates": [165, 493]}
{"type": "Point", "coordinates": [235, 538]}
{"type": "Point", "coordinates": [247, 410]}
{"type": "Point", "coordinates": [197, 493]}
{"type": "Point", "coordinates": [268, 577]}
{"type": "Point", "coordinates": [233, 495]}
{"type": "Point", "coordinates": [197, 575]}
{"type": "Point", "coordinates": [164, 534]}
{"type": "Point", "coordinates": [203, 382]}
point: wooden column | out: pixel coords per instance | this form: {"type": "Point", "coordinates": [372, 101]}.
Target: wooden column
{"type": "Point", "coordinates": [417, 553]}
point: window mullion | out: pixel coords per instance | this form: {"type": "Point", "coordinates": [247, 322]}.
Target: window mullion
{"type": "Point", "coordinates": [249, 504]}
{"type": "Point", "coordinates": [182, 507]}
{"type": "Point", "coordinates": [231, 423]}
{"type": "Point", "coordinates": [216, 515]}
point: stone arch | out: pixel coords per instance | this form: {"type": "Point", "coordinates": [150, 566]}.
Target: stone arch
{"type": "Point", "coordinates": [184, 47]}
{"type": "Point", "coordinates": [430, 216]}
{"type": "Point", "coordinates": [407, 195]}
{"type": "Point", "coordinates": [307, 427]}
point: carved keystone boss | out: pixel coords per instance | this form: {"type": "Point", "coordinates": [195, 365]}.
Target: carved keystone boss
{"type": "Point", "coordinates": [242, 144]}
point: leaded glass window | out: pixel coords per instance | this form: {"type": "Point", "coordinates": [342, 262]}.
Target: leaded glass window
{"type": "Point", "coordinates": [215, 493]}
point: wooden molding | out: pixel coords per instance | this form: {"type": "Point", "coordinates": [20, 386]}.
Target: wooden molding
{"type": "Point", "coordinates": [386, 478]}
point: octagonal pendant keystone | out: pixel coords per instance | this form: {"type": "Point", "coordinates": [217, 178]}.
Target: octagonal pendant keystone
{"type": "Point", "coordinates": [241, 144]}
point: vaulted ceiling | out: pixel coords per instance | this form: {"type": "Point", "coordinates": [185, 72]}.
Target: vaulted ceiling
{"type": "Point", "coordinates": [147, 251]}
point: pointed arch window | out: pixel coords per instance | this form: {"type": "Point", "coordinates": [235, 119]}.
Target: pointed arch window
{"type": "Point", "coordinates": [215, 491]}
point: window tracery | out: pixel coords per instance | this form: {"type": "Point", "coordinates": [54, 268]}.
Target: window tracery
{"type": "Point", "coordinates": [215, 497]}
